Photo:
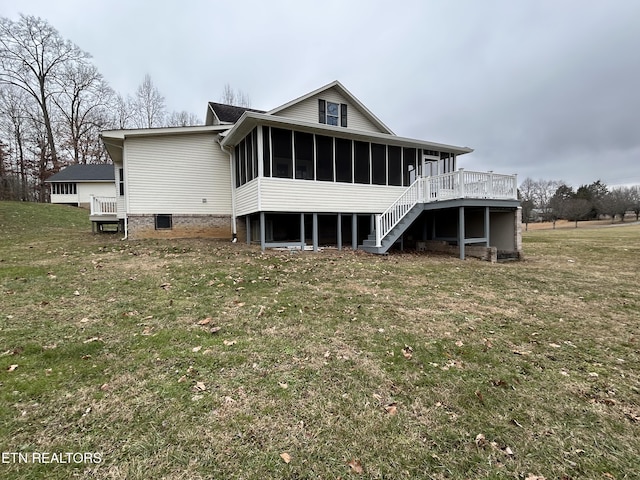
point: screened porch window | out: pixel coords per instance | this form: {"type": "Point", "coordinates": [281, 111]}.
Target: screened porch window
{"type": "Point", "coordinates": [324, 158]}
{"type": "Point", "coordinates": [304, 155]}
{"type": "Point", "coordinates": [343, 160]}
{"type": "Point", "coordinates": [361, 162]}
{"type": "Point", "coordinates": [282, 153]}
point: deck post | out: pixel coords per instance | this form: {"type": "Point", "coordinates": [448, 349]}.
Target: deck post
{"type": "Point", "coordinates": [248, 228]}
{"type": "Point", "coordinates": [487, 225]}
{"type": "Point", "coordinates": [302, 231]}
{"type": "Point", "coordinates": [315, 232]}
{"type": "Point", "coordinates": [461, 233]}
{"type": "Point", "coordinates": [378, 230]}
{"type": "Point", "coordinates": [354, 231]}
{"type": "Point", "coordinates": [339, 231]}
{"type": "Point", "coordinates": [262, 231]}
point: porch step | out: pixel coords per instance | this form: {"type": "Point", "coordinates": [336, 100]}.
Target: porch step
{"type": "Point", "coordinates": [369, 244]}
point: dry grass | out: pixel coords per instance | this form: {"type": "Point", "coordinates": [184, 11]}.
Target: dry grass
{"type": "Point", "coordinates": [406, 366]}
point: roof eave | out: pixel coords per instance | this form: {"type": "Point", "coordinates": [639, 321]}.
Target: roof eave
{"type": "Point", "coordinates": [249, 120]}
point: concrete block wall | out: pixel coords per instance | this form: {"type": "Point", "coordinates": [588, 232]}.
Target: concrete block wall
{"type": "Point", "coordinates": [183, 226]}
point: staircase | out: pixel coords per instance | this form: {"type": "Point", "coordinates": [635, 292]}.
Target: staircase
{"type": "Point", "coordinates": [395, 220]}
{"type": "Point", "coordinates": [369, 244]}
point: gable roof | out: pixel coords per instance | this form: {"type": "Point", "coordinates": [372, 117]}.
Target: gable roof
{"type": "Point", "coordinates": [346, 93]}
{"type": "Point", "coordinates": [85, 173]}
{"type": "Point", "coordinates": [226, 113]}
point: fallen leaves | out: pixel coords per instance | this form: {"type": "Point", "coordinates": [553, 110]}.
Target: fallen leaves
{"type": "Point", "coordinates": [286, 458]}
{"type": "Point", "coordinates": [356, 466]}
{"type": "Point", "coordinates": [407, 352]}
{"type": "Point", "coordinates": [199, 387]}
{"type": "Point", "coordinates": [482, 442]}
{"type": "Point", "coordinates": [391, 408]}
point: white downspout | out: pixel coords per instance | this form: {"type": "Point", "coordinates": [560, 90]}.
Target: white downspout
{"type": "Point", "coordinates": [126, 227]}
{"type": "Point", "coordinates": [233, 192]}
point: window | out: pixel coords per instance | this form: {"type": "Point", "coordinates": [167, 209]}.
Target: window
{"type": "Point", "coordinates": [304, 155]}
{"type": "Point", "coordinates": [324, 158]}
{"type": "Point", "coordinates": [121, 180]}
{"type": "Point", "coordinates": [410, 173]}
{"type": "Point", "coordinates": [343, 160]}
{"type": "Point", "coordinates": [331, 113]}
{"type": "Point", "coordinates": [64, 189]}
{"type": "Point", "coordinates": [378, 164]}
{"type": "Point", "coordinates": [395, 165]}
{"type": "Point", "coordinates": [282, 153]}
{"type": "Point", "coordinates": [163, 222]}
{"type": "Point", "coordinates": [361, 162]}
{"type": "Point", "coordinates": [266, 152]}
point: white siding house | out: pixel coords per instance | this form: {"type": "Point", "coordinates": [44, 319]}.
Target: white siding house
{"type": "Point", "coordinates": [319, 170]}
{"type": "Point", "coordinates": [76, 184]}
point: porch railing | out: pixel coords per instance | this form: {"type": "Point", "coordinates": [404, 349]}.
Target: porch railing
{"type": "Point", "coordinates": [103, 205]}
{"type": "Point", "coordinates": [448, 186]}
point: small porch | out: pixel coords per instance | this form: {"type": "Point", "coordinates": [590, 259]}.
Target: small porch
{"type": "Point", "coordinates": [104, 213]}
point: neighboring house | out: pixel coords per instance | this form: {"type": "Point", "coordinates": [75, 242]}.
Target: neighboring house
{"type": "Point", "coordinates": [319, 170]}
{"type": "Point", "coordinates": [75, 184]}
{"type": "Point", "coordinates": [87, 186]}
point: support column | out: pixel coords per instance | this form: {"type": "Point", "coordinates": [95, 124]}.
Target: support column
{"type": "Point", "coordinates": [339, 231]}
{"type": "Point", "coordinates": [354, 231]}
{"type": "Point", "coordinates": [461, 233]}
{"type": "Point", "coordinates": [301, 231]}
{"type": "Point", "coordinates": [248, 228]}
{"type": "Point", "coordinates": [487, 224]}
{"type": "Point", "coordinates": [315, 232]}
{"type": "Point", "coordinates": [263, 233]}
{"type": "Point", "coordinates": [372, 223]}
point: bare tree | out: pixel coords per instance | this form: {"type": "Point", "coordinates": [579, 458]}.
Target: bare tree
{"type": "Point", "coordinates": [543, 192]}
{"type": "Point", "coordinates": [182, 119]}
{"type": "Point", "coordinates": [634, 193]}
{"type": "Point", "coordinates": [32, 57]}
{"type": "Point", "coordinates": [231, 97]}
{"type": "Point", "coordinates": [576, 209]}
{"type": "Point", "coordinates": [149, 105]}
{"type": "Point", "coordinates": [83, 101]}
{"type": "Point", "coordinates": [14, 102]}
{"type": "Point", "coordinates": [527, 200]}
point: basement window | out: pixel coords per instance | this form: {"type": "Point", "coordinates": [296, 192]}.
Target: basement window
{"type": "Point", "coordinates": [164, 222]}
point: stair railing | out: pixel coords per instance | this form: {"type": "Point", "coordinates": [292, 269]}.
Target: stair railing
{"type": "Point", "coordinates": [398, 209]}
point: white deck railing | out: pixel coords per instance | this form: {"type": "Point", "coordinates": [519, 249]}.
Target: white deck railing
{"type": "Point", "coordinates": [448, 186]}
{"type": "Point", "coordinates": [103, 206]}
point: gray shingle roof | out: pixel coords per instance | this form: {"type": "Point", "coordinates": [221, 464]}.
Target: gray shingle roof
{"type": "Point", "coordinates": [230, 113]}
{"type": "Point", "coordinates": [85, 173]}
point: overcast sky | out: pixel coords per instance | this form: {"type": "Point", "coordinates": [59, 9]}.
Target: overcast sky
{"type": "Point", "coordinates": [542, 88]}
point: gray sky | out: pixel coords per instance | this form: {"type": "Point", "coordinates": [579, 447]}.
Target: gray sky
{"type": "Point", "coordinates": [542, 88]}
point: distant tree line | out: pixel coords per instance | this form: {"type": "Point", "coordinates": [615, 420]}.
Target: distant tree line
{"type": "Point", "coordinates": [54, 103]}
{"type": "Point", "coordinates": [551, 200]}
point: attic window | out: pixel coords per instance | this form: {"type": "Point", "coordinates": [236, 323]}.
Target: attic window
{"type": "Point", "coordinates": [331, 113]}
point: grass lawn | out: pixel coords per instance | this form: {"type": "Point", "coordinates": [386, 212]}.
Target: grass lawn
{"type": "Point", "coordinates": [188, 359]}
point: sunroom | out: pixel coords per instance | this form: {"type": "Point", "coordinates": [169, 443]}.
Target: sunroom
{"type": "Point", "coordinates": [306, 184]}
